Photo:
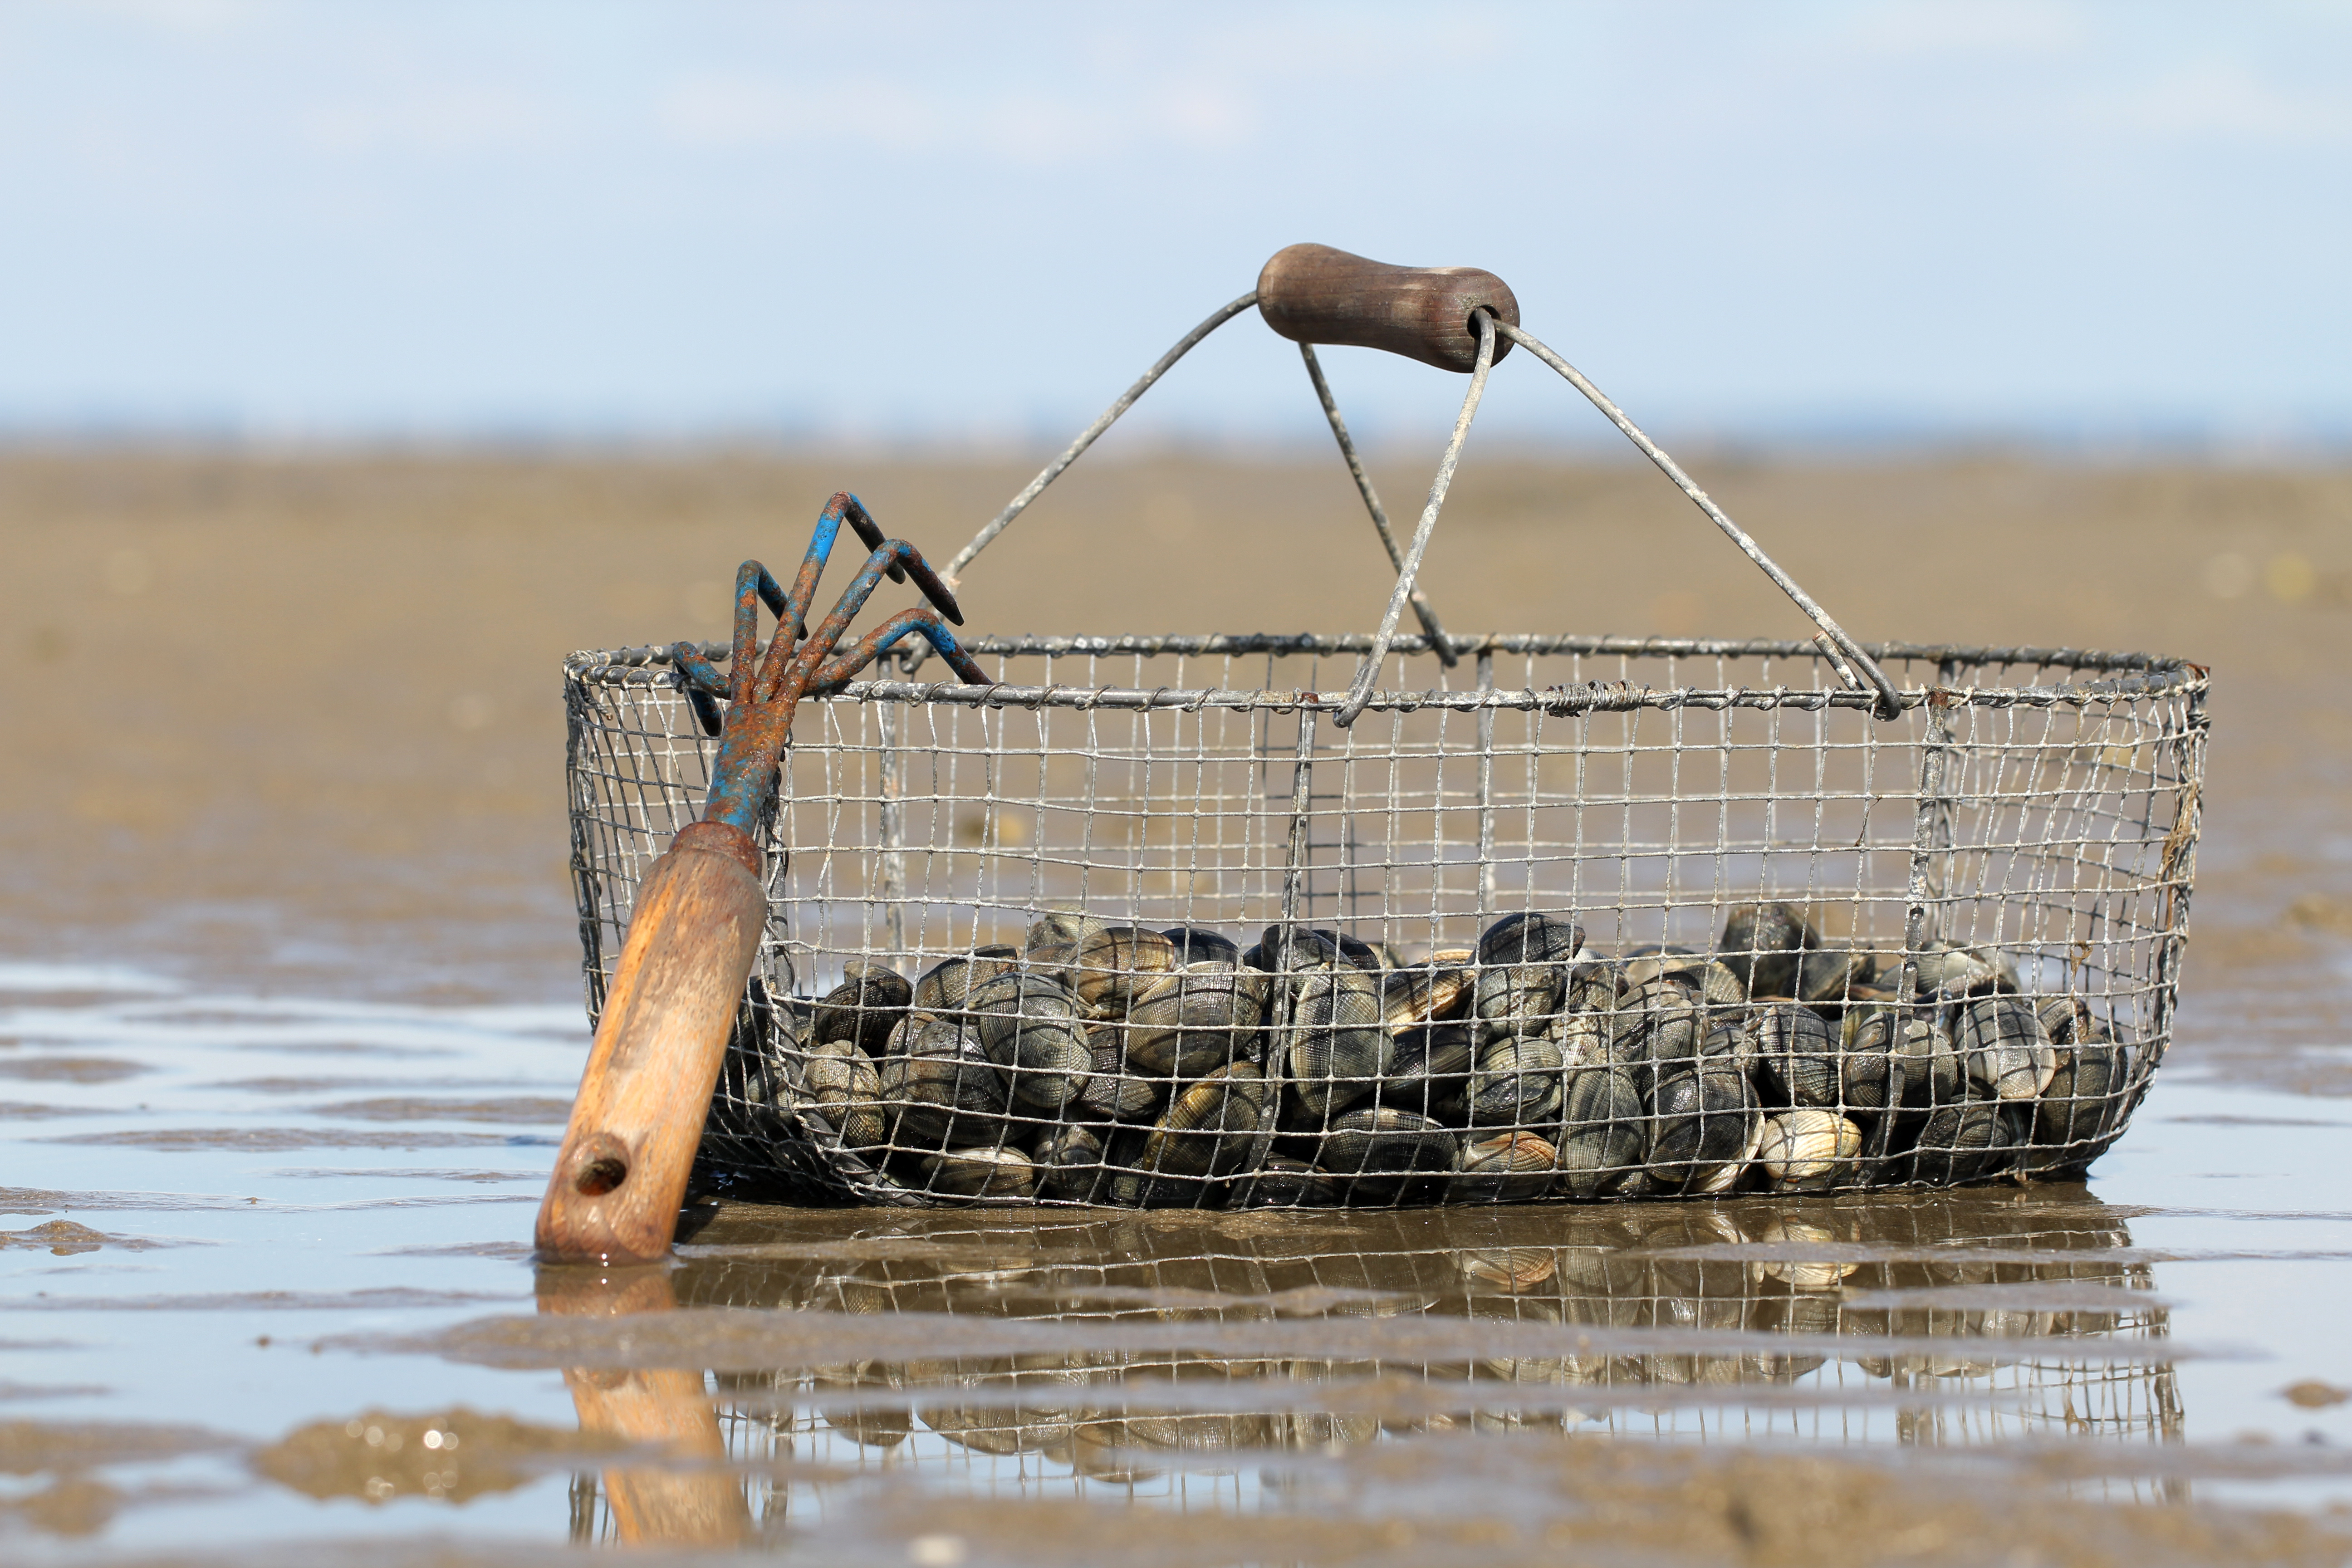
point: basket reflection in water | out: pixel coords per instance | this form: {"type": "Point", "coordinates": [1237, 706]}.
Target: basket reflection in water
{"type": "Point", "coordinates": [1197, 1351]}
{"type": "Point", "coordinates": [2030, 819]}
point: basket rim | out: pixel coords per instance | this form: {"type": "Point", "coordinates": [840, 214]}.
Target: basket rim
{"type": "Point", "coordinates": [2130, 675]}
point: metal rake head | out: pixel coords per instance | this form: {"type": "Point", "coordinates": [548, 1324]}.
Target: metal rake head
{"type": "Point", "coordinates": [764, 690]}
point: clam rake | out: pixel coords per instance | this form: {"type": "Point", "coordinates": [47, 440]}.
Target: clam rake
{"type": "Point", "coordinates": [1977, 869]}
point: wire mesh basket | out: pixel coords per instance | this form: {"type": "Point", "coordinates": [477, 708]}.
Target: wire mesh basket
{"type": "Point", "coordinates": [1403, 919]}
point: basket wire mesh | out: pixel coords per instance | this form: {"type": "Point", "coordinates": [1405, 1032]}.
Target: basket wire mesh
{"type": "Point", "coordinates": [1990, 891]}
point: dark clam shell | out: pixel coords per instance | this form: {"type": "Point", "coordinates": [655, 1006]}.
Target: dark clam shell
{"type": "Point", "coordinates": [943, 1090]}
{"type": "Point", "coordinates": [1194, 1021]}
{"type": "Point", "coordinates": [1530, 938]}
{"type": "Point", "coordinates": [1798, 1054]}
{"type": "Point", "coordinates": [845, 1087]}
{"type": "Point", "coordinates": [1339, 1044]}
{"type": "Point", "coordinates": [1965, 1142]}
{"type": "Point", "coordinates": [1031, 1026]}
{"type": "Point", "coordinates": [1604, 1133]}
{"type": "Point", "coordinates": [1051, 943]}
{"type": "Point", "coordinates": [944, 986]}
{"type": "Point", "coordinates": [865, 1008]}
{"type": "Point", "coordinates": [1430, 994]}
{"type": "Point", "coordinates": [1199, 945]}
{"type": "Point", "coordinates": [1368, 1153]}
{"type": "Point", "coordinates": [1705, 1130]}
{"type": "Point", "coordinates": [1214, 1127]}
{"type": "Point", "coordinates": [1828, 979]}
{"type": "Point", "coordinates": [1282, 1183]}
{"type": "Point", "coordinates": [1310, 946]}
{"type": "Point", "coordinates": [1516, 999]}
{"type": "Point", "coordinates": [2083, 1104]}
{"type": "Point", "coordinates": [1948, 972]}
{"type": "Point", "coordinates": [2007, 1052]}
{"type": "Point", "coordinates": [1911, 1050]}
{"type": "Point", "coordinates": [1110, 1091]}
{"type": "Point", "coordinates": [1070, 1164]}
{"type": "Point", "coordinates": [1760, 946]}
{"type": "Point", "coordinates": [1516, 1083]}
{"type": "Point", "coordinates": [1428, 1073]}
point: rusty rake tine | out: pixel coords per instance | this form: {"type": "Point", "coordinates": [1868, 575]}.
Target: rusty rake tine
{"type": "Point", "coordinates": [828, 633]}
{"type": "Point", "coordinates": [700, 674]}
{"type": "Point", "coordinates": [753, 584]}
{"type": "Point", "coordinates": [839, 671]}
{"type": "Point", "coordinates": [862, 521]}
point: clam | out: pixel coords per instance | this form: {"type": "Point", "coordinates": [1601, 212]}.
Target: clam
{"type": "Point", "coordinates": [1807, 1150]}
{"type": "Point", "coordinates": [944, 986]}
{"type": "Point", "coordinates": [1115, 963]}
{"type": "Point", "coordinates": [1070, 1164]}
{"type": "Point", "coordinates": [845, 1085]}
{"type": "Point", "coordinates": [942, 1090]}
{"type": "Point", "coordinates": [1715, 983]}
{"type": "Point", "coordinates": [1214, 1127]}
{"type": "Point", "coordinates": [1517, 1082]}
{"type": "Point", "coordinates": [983, 1173]}
{"type": "Point", "coordinates": [1798, 1054]}
{"type": "Point", "coordinates": [1110, 1091]}
{"type": "Point", "coordinates": [1604, 1133]}
{"type": "Point", "coordinates": [1429, 1072]}
{"type": "Point", "coordinates": [865, 1008]}
{"type": "Point", "coordinates": [1828, 979]}
{"type": "Point", "coordinates": [1196, 1020]}
{"type": "Point", "coordinates": [2064, 1017]}
{"type": "Point", "coordinates": [1050, 945]}
{"type": "Point", "coordinates": [1964, 1142]}
{"type": "Point", "coordinates": [1530, 938]}
{"type": "Point", "coordinates": [1199, 945]}
{"type": "Point", "coordinates": [1705, 1130]}
{"type": "Point", "coordinates": [1582, 1035]}
{"type": "Point", "coordinates": [1372, 1151]}
{"type": "Point", "coordinates": [1428, 994]}
{"type": "Point", "coordinates": [2082, 1104]}
{"type": "Point", "coordinates": [1761, 943]}
{"type": "Point", "coordinates": [1947, 971]}
{"type": "Point", "coordinates": [1282, 1183]}
{"type": "Point", "coordinates": [2007, 1050]}
{"type": "Point", "coordinates": [1339, 1044]}
{"type": "Point", "coordinates": [1307, 947]}
{"type": "Point", "coordinates": [1503, 1168]}
{"type": "Point", "coordinates": [1912, 1052]}
{"type": "Point", "coordinates": [1030, 1025]}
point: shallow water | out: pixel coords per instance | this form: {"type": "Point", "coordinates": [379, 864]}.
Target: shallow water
{"type": "Point", "coordinates": [269, 1257]}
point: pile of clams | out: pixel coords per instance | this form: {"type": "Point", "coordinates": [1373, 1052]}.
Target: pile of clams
{"type": "Point", "coordinates": [1111, 1064]}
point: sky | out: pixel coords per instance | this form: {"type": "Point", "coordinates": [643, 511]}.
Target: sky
{"type": "Point", "coordinates": [972, 225]}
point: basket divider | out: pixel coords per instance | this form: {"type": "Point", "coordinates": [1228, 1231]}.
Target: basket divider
{"type": "Point", "coordinates": [1485, 790]}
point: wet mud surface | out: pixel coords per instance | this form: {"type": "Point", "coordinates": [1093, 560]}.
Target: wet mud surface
{"type": "Point", "coordinates": [289, 1019]}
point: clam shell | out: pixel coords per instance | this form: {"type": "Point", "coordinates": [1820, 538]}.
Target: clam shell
{"type": "Point", "coordinates": [1199, 945]}
{"type": "Point", "coordinates": [1214, 1127]}
{"type": "Point", "coordinates": [865, 1008]}
{"type": "Point", "coordinates": [1828, 979]}
{"type": "Point", "coordinates": [1530, 938]}
{"type": "Point", "coordinates": [1505, 1167]}
{"type": "Point", "coordinates": [845, 1087]}
{"type": "Point", "coordinates": [1428, 994]}
{"type": "Point", "coordinates": [1604, 1134]}
{"type": "Point", "coordinates": [1115, 963]}
{"type": "Point", "coordinates": [1282, 1183]}
{"type": "Point", "coordinates": [1704, 1130]}
{"type": "Point", "coordinates": [943, 1092]}
{"type": "Point", "coordinates": [2084, 1103]}
{"type": "Point", "coordinates": [2063, 1016]}
{"type": "Point", "coordinates": [944, 986]}
{"type": "Point", "coordinates": [1029, 1025]}
{"type": "Point", "coordinates": [1517, 1082]}
{"type": "Point", "coordinates": [1309, 947]}
{"type": "Point", "coordinates": [1428, 1073]}
{"type": "Point", "coordinates": [1368, 1151]}
{"type": "Point", "coordinates": [1110, 1091]}
{"type": "Point", "coordinates": [1070, 1164]}
{"type": "Point", "coordinates": [2007, 1050]}
{"type": "Point", "coordinates": [1050, 945]}
{"type": "Point", "coordinates": [1516, 999]}
{"type": "Point", "coordinates": [1807, 1150]}
{"type": "Point", "coordinates": [1949, 971]}
{"type": "Point", "coordinates": [980, 1174]}
{"type": "Point", "coordinates": [1964, 1142]}
{"type": "Point", "coordinates": [1338, 1043]}
{"type": "Point", "coordinates": [1797, 1055]}
{"type": "Point", "coordinates": [1196, 1020]}
{"type": "Point", "coordinates": [1760, 943]}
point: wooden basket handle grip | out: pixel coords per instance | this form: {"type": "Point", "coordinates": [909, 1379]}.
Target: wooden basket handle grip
{"type": "Point", "coordinates": [1315, 294]}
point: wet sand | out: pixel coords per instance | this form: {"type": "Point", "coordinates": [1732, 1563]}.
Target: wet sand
{"type": "Point", "coordinates": [291, 1014]}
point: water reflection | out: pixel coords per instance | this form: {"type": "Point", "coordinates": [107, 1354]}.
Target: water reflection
{"type": "Point", "coordinates": [1183, 1355]}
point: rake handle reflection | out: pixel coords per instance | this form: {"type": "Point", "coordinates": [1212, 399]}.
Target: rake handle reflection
{"type": "Point", "coordinates": [695, 928]}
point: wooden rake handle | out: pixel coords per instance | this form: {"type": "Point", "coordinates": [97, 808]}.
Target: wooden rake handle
{"type": "Point", "coordinates": [693, 935]}
{"type": "Point", "coordinates": [1315, 294]}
